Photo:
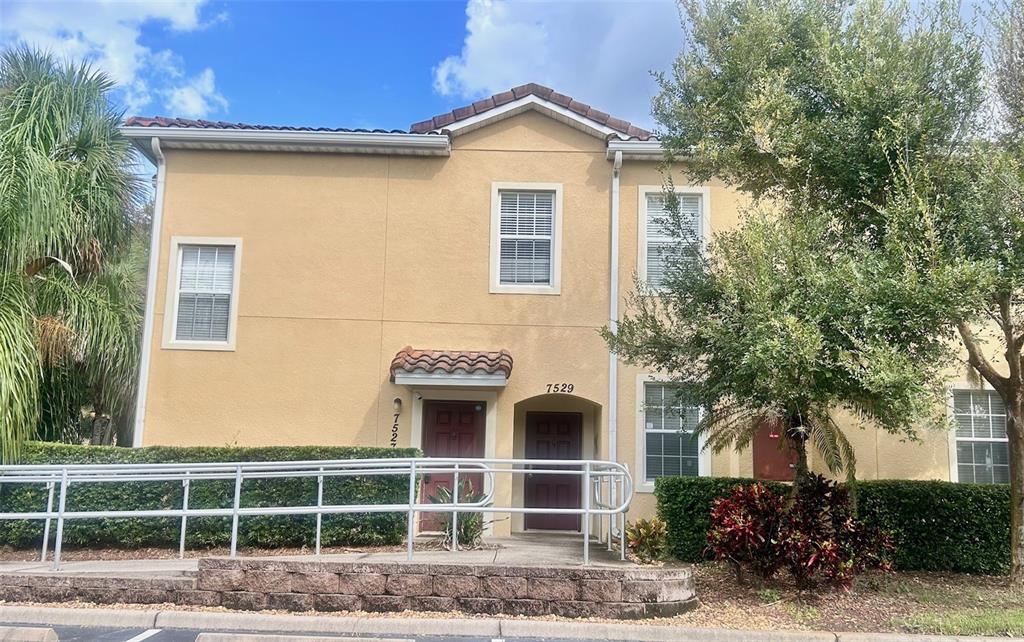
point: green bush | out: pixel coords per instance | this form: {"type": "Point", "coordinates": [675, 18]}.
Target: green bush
{"type": "Point", "coordinates": [941, 526]}
{"type": "Point", "coordinates": [684, 503]}
{"type": "Point", "coordinates": [936, 526]}
{"type": "Point", "coordinates": [263, 531]}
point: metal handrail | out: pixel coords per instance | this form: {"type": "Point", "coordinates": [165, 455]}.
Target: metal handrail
{"type": "Point", "coordinates": [596, 476]}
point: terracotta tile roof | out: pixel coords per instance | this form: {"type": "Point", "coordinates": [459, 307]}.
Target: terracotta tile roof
{"type": "Point", "coordinates": [441, 121]}
{"type": "Point", "coordinates": [163, 121]}
{"type": "Point", "coordinates": [452, 361]}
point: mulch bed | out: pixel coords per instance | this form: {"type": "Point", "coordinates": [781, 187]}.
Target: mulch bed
{"type": "Point", "coordinates": [876, 602]}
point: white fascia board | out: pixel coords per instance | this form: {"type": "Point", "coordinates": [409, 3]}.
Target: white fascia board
{"type": "Point", "coordinates": [450, 380]}
{"type": "Point", "coordinates": [636, 149]}
{"type": "Point", "coordinates": [523, 104]}
{"type": "Point", "coordinates": [287, 140]}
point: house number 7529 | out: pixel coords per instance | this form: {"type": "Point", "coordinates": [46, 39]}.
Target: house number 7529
{"type": "Point", "coordinates": [560, 387]}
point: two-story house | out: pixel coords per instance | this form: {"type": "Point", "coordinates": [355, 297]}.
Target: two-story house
{"type": "Point", "coordinates": [442, 288]}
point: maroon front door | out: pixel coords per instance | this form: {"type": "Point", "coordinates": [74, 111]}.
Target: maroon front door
{"type": "Point", "coordinates": [451, 429]}
{"type": "Point", "coordinates": [553, 435]}
{"type": "Point", "coordinates": [772, 460]}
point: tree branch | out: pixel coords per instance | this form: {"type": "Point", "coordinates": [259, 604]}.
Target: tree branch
{"type": "Point", "coordinates": [978, 360]}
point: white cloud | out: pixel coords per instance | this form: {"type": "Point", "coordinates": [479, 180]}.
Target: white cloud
{"type": "Point", "coordinates": [108, 33]}
{"type": "Point", "coordinates": [600, 53]}
{"type": "Point", "coordinates": [197, 97]}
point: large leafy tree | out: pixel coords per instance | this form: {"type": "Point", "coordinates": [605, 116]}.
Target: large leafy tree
{"type": "Point", "coordinates": [69, 298]}
{"type": "Point", "coordinates": [824, 303]}
{"type": "Point", "coordinates": [877, 115]}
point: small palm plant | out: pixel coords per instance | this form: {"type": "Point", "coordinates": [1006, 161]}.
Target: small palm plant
{"type": "Point", "coordinates": [471, 525]}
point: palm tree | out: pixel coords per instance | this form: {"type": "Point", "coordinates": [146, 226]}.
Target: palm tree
{"type": "Point", "coordinates": [70, 305]}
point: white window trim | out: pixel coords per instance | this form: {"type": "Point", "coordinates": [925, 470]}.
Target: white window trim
{"type": "Point", "coordinates": [496, 286]}
{"type": "Point", "coordinates": [951, 387]}
{"type": "Point", "coordinates": [703, 453]}
{"type": "Point", "coordinates": [171, 301]}
{"type": "Point", "coordinates": [705, 219]}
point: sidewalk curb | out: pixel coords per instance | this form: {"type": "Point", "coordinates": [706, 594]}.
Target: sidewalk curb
{"type": "Point", "coordinates": [208, 620]}
{"type": "Point", "coordinates": [413, 627]}
{"type": "Point", "coordinates": [127, 618]}
{"type": "Point", "coordinates": [26, 634]}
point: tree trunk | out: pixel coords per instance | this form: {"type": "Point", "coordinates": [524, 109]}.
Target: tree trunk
{"type": "Point", "coordinates": [798, 438]}
{"type": "Point", "coordinates": [1015, 436]}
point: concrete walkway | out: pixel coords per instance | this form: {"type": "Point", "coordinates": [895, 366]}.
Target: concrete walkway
{"type": "Point", "coordinates": [520, 550]}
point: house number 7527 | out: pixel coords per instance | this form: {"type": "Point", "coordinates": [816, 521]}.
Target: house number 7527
{"type": "Point", "coordinates": [560, 387]}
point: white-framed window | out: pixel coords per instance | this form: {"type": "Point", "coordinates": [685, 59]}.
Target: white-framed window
{"type": "Point", "coordinates": [202, 293]}
{"type": "Point", "coordinates": [656, 243]}
{"type": "Point", "coordinates": [981, 446]}
{"type": "Point", "coordinates": [666, 444]}
{"type": "Point", "coordinates": [526, 221]}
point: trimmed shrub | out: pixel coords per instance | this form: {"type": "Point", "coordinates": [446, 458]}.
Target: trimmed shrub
{"type": "Point", "coordinates": [941, 526]}
{"type": "Point", "coordinates": [935, 525]}
{"type": "Point", "coordinates": [685, 505]}
{"type": "Point", "coordinates": [263, 531]}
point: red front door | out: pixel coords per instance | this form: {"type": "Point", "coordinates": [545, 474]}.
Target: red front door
{"type": "Point", "coordinates": [451, 429]}
{"type": "Point", "coordinates": [553, 435]}
{"type": "Point", "coordinates": [772, 460]}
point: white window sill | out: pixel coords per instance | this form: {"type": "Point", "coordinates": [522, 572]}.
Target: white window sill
{"type": "Point", "coordinates": [525, 289]}
{"type": "Point", "coordinates": [213, 346]}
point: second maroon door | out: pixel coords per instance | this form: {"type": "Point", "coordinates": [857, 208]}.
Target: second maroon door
{"type": "Point", "coordinates": [553, 435]}
{"type": "Point", "coordinates": [772, 458]}
{"type": "Point", "coordinates": [451, 429]}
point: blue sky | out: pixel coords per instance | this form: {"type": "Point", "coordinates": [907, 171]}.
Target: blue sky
{"type": "Point", "coordinates": [355, 64]}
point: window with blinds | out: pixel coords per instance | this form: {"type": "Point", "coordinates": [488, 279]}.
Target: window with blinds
{"type": "Point", "coordinates": [526, 237]}
{"type": "Point", "coordinates": [206, 277]}
{"type": "Point", "coordinates": [982, 450]}
{"type": "Point", "coordinates": [670, 448]}
{"type": "Point", "coordinates": [661, 243]}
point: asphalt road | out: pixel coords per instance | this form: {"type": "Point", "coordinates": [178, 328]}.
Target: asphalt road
{"type": "Point", "coordinates": [84, 634]}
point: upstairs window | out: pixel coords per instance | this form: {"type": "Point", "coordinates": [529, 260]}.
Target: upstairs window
{"type": "Point", "coordinates": [526, 241]}
{"type": "Point", "coordinates": [202, 293]}
{"type": "Point", "coordinates": [982, 449]}
{"type": "Point", "coordinates": [207, 277]}
{"type": "Point", "coordinates": [659, 245]}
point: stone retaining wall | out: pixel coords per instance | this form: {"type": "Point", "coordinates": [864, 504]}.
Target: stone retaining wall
{"type": "Point", "coordinates": [250, 584]}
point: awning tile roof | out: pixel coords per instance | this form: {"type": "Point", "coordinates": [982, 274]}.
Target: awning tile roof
{"type": "Point", "coordinates": [411, 360]}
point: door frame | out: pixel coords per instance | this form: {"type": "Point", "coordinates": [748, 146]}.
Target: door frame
{"type": "Point", "coordinates": [490, 400]}
{"type": "Point", "coordinates": [526, 434]}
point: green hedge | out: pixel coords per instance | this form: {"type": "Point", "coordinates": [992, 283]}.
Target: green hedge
{"type": "Point", "coordinates": [276, 531]}
{"type": "Point", "coordinates": [941, 526]}
{"type": "Point", "coordinates": [685, 505]}
{"type": "Point", "coordinates": [937, 526]}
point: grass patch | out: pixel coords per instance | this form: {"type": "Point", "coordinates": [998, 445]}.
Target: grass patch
{"type": "Point", "coordinates": [1003, 622]}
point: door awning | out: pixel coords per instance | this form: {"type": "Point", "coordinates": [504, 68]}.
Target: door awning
{"type": "Point", "coordinates": [417, 367]}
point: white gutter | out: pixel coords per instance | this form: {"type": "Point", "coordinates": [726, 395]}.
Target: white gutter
{"type": "Point", "coordinates": [613, 316]}
{"type": "Point", "coordinates": [154, 256]}
{"type": "Point", "coordinates": [289, 140]}
{"type": "Point", "coordinates": [636, 149]}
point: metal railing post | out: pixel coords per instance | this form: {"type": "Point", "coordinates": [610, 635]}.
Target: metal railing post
{"type": "Point", "coordinates": [319, 505]}
{"type": "Point", "coordinates": [622, 525]}
{"type": "Point", "coordinates": [455, 513]}
{"type": "Point", "coordinates": [234, 510]}
{"type": "Point", "coordinates": [586, 513]}
{"type": "Point", "coordinates": [184, 518]}
{"type": "Point", "coordinates": [46, 526]}
{"type": "Point", "coordinates": [61, 503]}
{"type": "Point", "coordinates": [411, 526]}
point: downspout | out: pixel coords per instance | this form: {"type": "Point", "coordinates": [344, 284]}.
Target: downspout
{"type": "Point", "coordinates": [147, 325]}
{"type": "Point", "coordinates": [613, 317]}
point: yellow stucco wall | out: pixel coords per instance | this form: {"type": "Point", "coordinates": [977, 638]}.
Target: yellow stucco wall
{"type": "Point", "coordinates": [348, 258]}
